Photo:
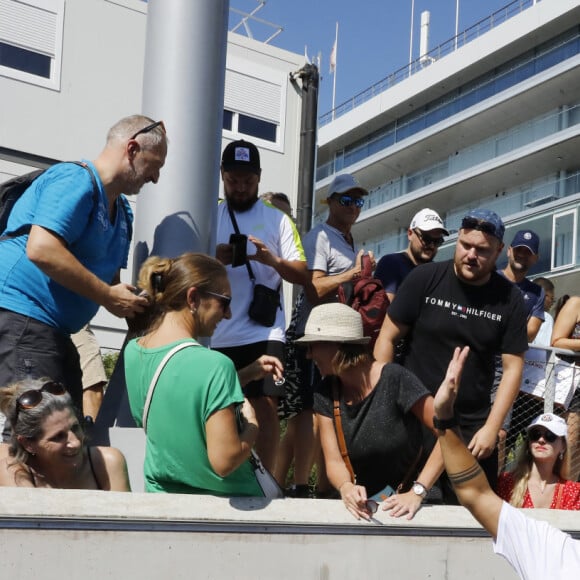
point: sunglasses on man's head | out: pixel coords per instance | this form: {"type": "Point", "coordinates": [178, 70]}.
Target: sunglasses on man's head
{"type": "Point", "coordinates": [535, 434]}
{"type": "Point", "coordinates": [349, 200]}
{"type": "Point", "coordinates": [33, 397]}
{"type": "Point", "coordinates": [150, 128]}
{"type": "Point", "coordinates": [225, 301]}
{"type": "Point", "coordinates": [471, 223]}
{"type": "Point", "coordinates": [428, 240]}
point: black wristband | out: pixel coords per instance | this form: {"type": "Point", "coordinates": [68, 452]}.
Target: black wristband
{"type": "Point", "coordinates": [443, 424]}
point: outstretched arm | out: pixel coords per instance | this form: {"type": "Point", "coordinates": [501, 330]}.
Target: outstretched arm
{"type": "Point", "coordinates": [465, 474]}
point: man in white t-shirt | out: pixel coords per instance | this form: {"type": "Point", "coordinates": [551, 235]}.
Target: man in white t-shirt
{"type": "Point", "coordinates": [274, 253]}
{"type": "Point", "coordinates": [535, 549]}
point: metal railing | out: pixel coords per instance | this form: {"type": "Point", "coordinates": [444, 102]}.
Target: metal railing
{"type": "Point", "coordinates": [485, 25]}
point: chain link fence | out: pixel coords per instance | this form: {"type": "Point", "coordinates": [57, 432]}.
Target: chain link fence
{"type": "Point", "coordinates": [549, 385]}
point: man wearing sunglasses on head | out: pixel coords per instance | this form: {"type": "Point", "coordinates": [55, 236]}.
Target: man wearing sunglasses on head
{"type": "Point", "coordinates": [426, 233]}
{"type": "Point", "coordinates": [464, 301]}
{"type": "Point", "coordinates": [67, 237]}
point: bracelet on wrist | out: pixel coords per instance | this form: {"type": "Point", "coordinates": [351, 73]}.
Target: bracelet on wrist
{"type": "Point", "coordinates": [444, 424]}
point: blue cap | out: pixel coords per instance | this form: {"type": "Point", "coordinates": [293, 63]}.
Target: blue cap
{"type": "Point", "coordinates": [527, 239]}
{"type": "Point", "coordinates": [485, 221]}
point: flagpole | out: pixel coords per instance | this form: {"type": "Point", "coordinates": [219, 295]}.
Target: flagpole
{"type": "Point", "coordinates": [456, 21]}
{"type": "Point", "coordinates": [411, 38]}
{"type": "Point", "coordinates": [334, 71]}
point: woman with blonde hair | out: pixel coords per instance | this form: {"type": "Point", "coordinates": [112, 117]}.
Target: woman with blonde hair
{"type": "Point", "coordinates": [48, 447]}
{"type": "Point", "coordinates": [186, 395]}
{"type": "Point", "coordinates": [539, 478]}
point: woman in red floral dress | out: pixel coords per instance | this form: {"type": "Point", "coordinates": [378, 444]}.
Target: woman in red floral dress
{"type": "Point", "coordinates": [539, 477]}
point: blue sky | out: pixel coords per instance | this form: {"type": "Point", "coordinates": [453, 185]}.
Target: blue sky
{"type": "Point", "coordinates": [373, 37]}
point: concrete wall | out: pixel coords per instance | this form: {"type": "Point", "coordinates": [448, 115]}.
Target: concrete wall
{"type": "Point", "coordinates": [52, 534]}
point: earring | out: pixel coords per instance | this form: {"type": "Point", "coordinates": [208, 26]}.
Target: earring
{"type": "Point", "coordinates": [561, 456]}
{"type": "Point", "coordinates": [193, 311]}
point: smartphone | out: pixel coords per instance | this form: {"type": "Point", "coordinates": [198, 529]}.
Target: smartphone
{"type": "Point", "coordinates": [238, 243]}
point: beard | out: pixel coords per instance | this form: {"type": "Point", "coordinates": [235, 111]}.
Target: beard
{"type": "Point", "coordinates": [241, 205]}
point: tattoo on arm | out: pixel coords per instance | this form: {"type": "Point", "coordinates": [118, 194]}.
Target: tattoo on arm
{"type": "Point", "coordinates": [465, 475]}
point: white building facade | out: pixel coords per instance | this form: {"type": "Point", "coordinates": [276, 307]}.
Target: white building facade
{"type": "Point", "coordinates": [70, 68]}
{"type": "Point", "coordinates": [491, 119]}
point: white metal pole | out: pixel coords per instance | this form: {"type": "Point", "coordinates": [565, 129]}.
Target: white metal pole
{"type": "Point", "coordinates": [411, 36]}
{"type": "Point", "coordinates": [456, 21]}
{"type": "Point", "coordinates": [334, 71]}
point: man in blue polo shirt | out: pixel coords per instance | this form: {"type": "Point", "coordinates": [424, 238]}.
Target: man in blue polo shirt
{"type": "Point", "coordinates": [67, 237]}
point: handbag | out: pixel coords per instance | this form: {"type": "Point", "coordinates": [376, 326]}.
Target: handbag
{"type": "Point", "coordinates": [265, 301]}
{"type": "Point", "coordinates": [265, 479]}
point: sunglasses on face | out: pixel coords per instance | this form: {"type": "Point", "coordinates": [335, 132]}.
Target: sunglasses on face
{"type": "Point", "coordinates": [471, 223]}
{"type": "Point", "coordinates": [225, 301]}
{"type": "Point", "coordinates": [33, 397]}
{"type": "Point", "coordinates": [349, 200]}
{"type": "Point", "coordinates": [150, 128]}
{"type": "Point", "coordinates": [535, 434]}
{"type": "Point", "coordinates": [427, 240]}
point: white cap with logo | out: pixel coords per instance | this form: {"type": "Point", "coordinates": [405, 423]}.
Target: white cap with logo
{"type": "Point", "coordinates": [427, 220]}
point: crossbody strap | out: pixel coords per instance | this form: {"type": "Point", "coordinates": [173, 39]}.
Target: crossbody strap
{"type": "Point", "coordinates": [339, 431]}
{"type": "Point", "coordinates": [237, 230]}
{"type": "Point", "coordinates": [155, 378]}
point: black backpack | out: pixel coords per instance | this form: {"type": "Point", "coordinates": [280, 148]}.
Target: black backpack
{"type": "Point", "coordinates": [11, 190]}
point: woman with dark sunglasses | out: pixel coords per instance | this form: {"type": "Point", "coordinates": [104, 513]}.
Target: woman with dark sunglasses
{"type": "Point", "coordinates": [193, 441]}
{"type": "Point", "coordinates": [48, 446]}
{"type": "Point", "coordinates": [538, 479]}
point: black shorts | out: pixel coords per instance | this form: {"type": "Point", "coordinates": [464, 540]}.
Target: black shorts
{"type": "Point", "coordinates": [243, 355]}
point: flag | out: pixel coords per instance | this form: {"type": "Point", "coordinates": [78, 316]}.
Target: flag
{"type": "Point", "coordinates": [333, 58]}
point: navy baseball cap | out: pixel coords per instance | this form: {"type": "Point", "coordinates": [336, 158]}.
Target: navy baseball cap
{"type": "Point", "coordinates": [527, 239]}
{"type": "Point", "coordinates": [241, 155]}
{"type": "Point", "coordinates": [485, 221]}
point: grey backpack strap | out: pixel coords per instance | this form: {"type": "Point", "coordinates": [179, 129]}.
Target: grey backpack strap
{"type": "Point", "coordinates": [155, 378]}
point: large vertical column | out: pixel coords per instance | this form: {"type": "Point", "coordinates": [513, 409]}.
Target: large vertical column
{"type": "Point", "coordinates": [183, 85]}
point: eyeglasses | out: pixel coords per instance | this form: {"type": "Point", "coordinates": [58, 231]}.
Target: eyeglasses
{"type": "Point", "coordinates": [427, 240]}
{"type": "Point", "coordinates": [225, 301]}
{"type": "Point", "coordinates": [33, 397]}
{"type": "Point", "coordinates": [535, 434]}
{"type": "Point", "coordinates": [471, 223]}
{"type": "Point", "coordinates": [349, 200]}
{"type": "Point", "coordinates": [150, 128]}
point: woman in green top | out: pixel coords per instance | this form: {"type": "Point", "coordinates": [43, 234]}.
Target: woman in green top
{"type": "Point", "coordinates": [193, 443]}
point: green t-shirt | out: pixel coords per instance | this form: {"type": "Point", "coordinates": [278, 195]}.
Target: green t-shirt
{"type": "Point", "coordinates": [195, 383]}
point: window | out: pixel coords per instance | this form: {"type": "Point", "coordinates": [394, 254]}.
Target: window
{"type": "Point", "coordinates": [245, 125]}
{"type": "Point", "coordinates": [564, 240]}
{"type": "Point", "coordinates": [228, 120]}
{"type": "Point", "coordinates": [31, 40]}
{"type": "Point", "coordinates": [253, 106]}
{"type": "Point", "coordinates": [257, 128]}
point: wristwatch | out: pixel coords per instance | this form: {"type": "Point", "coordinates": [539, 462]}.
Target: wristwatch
{"type": "Point", "coordinates": [443, 424]}
{"type": "Point", "coordinates": [419, 489]}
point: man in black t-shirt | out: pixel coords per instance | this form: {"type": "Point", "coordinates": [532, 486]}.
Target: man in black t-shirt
{"type": "Point", "coordinates": [425, 235]}
{"type": "Point", "coordinates": [462, 302]}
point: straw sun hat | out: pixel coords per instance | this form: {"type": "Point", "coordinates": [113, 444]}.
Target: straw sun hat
{"type": "Point", "coordinates": [334, 322]}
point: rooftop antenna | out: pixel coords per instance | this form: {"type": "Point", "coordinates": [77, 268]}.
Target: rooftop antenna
{"type": "Point", "coordinates": [250, 17]}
